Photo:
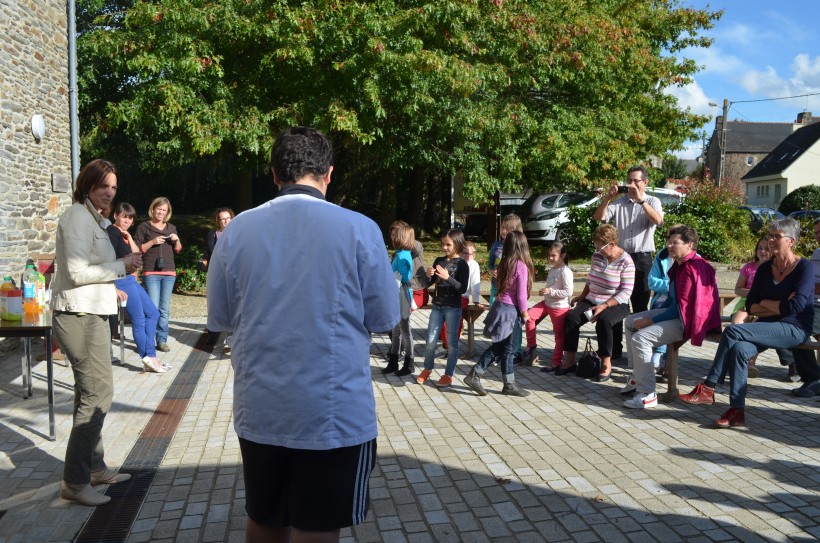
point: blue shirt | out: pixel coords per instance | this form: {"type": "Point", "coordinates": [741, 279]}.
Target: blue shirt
{"type": "Point", "coordinates": [301, 283]}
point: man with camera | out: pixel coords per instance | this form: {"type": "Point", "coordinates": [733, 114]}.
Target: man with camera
{"type": "Point", "coordinates": [636, 217]}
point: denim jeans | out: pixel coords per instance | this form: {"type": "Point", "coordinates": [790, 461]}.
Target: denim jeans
{"type": "Point", "coordinates": [159, 289]}
{"type": "Point", "coordinates": [144, 315]}
{"type": "Point", "coordinates": [504, 349]}
{"type": "Point", "coordinates": [439, 314]}
{"type": "Point", "coordinates": [739, 343]}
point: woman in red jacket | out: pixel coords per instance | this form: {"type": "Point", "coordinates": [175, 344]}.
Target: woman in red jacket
{"type": "Point", "coordinates": [690, 312]}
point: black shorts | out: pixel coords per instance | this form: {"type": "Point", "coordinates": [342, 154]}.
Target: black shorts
{"type": "Point", "coordinates": [315, 491]}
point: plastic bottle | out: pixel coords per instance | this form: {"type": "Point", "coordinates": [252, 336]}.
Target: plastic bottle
{"type": "Point", "coordinates": [11, 301]}
{"type": "Point", "coordinates": [30, 279]}
{"type": "Point", "coordinates": [40, 290]}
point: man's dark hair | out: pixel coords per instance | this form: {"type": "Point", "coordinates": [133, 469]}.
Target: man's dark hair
{"type": "Point", "coordinates": [300, 151]}
{"type": "Point", "coordinates": [641, 169]}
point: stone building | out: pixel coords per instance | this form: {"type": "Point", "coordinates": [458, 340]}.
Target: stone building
{"type": "Point", "coordinates": [747, 144]}
{"type": "Point", "coordinates": [35, 175]}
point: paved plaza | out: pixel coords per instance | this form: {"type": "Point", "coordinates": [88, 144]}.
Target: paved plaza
{"type": "Point", "coordinates": [567, 463]}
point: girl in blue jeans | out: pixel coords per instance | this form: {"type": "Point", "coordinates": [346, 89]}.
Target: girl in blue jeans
{"type": "Point", "coordinates": [450, 274]}
{"type": "Point", "coordinates": [144, 314]}
{"type": "Point", "coordinates": [503, 321]}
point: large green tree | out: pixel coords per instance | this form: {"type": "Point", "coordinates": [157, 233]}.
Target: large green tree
{"type": "Point", "coordinates": [549, 93]}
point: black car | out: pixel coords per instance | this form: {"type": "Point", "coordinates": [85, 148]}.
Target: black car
{"type": "Point", "coordinates": [760, 216]}
{"type": "Point", "coordinates": [805, 215]}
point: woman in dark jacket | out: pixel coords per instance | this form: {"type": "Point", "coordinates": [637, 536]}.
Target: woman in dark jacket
{"type": "Point", "coordinates": [158, 240]}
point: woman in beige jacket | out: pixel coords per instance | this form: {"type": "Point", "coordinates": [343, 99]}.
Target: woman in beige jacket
{"type": "Point", "coordinates": [83, 296]}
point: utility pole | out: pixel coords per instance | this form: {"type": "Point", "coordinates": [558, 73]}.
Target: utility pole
{"type": "Point", "coordinates": [723, 141]}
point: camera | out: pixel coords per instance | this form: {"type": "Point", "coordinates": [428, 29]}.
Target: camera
{"type": "Point", "coordinates": [623, 189]}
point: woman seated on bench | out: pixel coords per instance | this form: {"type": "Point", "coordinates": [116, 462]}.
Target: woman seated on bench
{"type": "Point", "coordinates": [781, 299]}
{"type": "Point", "coordinates": [690, 311]}
{"type": "Point", "coordinates": [604, 300]}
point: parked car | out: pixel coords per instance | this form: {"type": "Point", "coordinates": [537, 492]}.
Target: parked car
{"type": "Point", "coordinates": [805, 215]}
{"type": "Point", "coordinates": [475, 224]}
{"type": "Point", "coordinates": [668, 197]}
{"type": "Point", "coordinates": [760, 216]}
{"type": "Point", "coordinates": [543, 214]}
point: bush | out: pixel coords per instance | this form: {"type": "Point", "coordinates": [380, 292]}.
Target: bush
{"type": "Point", "coordinates": [801, 198]}
{"type": "Point", "coordinates": [723, 229]}
{"type": "Point", "coordinates": [189, 278]}
{"type": "Point", "coordinates": [579, 230]}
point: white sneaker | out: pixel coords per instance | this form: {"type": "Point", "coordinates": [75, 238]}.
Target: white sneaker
{"type": "Point", "coordinates": [630, 386]}
{"type": "Point", "coordinates": [642, 401]}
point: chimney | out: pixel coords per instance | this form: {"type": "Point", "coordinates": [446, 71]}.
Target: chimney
{"type": "Point", "coordinates": [804, 117]}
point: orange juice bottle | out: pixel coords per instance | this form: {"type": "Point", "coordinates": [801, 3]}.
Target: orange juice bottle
{"type": "Point", "coordinates": [11, 307]}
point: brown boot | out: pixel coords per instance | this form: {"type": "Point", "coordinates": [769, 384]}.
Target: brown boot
{"type": "Point", "coordinates": [702, 394]}
{"type": "Point", "coordinates": [732, 417]}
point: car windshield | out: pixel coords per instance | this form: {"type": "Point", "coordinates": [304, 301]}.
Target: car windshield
{"type": "Point", "coordinates": [575, 198]}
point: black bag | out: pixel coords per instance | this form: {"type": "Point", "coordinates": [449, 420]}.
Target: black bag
{"type": "Point", "coordinates": [160, 264]}
{"type": "Point", "coordinates": [589, 365]}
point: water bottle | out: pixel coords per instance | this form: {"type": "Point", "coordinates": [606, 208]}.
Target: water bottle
{"type": "Point", "coordinates": [30, 280]}
{"type": "Point", "coordinates": [11, 306]}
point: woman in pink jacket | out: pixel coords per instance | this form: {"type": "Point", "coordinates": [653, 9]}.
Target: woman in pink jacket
{"type": "Point", "coordinates": [690, 312]}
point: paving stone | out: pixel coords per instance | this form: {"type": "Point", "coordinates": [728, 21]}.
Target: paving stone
{"type": "Point", "coordinates": [565, 464]}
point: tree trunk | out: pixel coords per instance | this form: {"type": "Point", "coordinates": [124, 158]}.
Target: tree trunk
{"type": "Point", "coordinates": [243, 188]}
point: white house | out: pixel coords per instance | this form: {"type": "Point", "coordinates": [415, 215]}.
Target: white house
{"type": "Point", "coordinates": [793, 164]}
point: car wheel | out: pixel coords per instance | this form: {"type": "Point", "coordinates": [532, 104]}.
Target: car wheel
{"type": "Point", "coordinates": [561, 236]}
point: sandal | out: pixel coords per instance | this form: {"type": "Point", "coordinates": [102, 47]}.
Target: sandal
{"type": "Point", "coordinates": [152, 365]}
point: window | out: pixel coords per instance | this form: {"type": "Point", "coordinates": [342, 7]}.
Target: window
{"type": "Point", "coordinates": [762, 191]}
{"type": "Point", "coordinates": [750, 161]}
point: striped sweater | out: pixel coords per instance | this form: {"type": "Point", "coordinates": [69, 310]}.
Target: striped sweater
{"type": "Point", "coordinates": [610, 279]}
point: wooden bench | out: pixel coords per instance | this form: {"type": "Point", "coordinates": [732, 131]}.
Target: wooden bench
{"type": "Point", "coordinates": [672, 362]}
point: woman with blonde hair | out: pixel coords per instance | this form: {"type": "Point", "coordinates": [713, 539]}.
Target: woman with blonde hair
{"type": "Point", "coordinates": [158, 240]}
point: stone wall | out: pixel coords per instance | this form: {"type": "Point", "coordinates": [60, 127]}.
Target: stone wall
{"type": "Point", "coordinates": [33, 80]}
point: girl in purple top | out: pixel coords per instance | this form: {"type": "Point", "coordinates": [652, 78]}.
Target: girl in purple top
{"type": "Point", "coordinates": [506, 314]}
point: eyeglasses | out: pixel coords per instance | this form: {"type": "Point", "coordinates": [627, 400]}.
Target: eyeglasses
{"type": "Point", "coordinates": [602, 247]}
{"type": "Point", "coordinates": [675, 242]}
{"type": "Point", "coordinates": [775, 237]}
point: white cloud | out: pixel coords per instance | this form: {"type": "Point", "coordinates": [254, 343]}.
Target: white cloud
{"type": "Point", "coordinates": [738, 34]}
{"type": "Point", "coordinates": [715, 60]}
{"type": "Point", "coordinates": [692, 96]}
{"type": "Point", "coordinates": [804, 79]}
{"type": "Point", "coordinates": [691, 149]}
{"type": "Point", "coordinates": [806, 72]}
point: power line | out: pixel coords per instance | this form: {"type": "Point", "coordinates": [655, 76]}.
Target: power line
{"type": "Point", "coordinates": [772, 99]}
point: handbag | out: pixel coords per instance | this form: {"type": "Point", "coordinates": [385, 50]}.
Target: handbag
{"type": "Point", "coordinates": [589, 365]}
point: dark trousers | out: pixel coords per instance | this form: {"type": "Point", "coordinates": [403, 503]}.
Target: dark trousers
{"type": "Point", "coordinates": [603, 326]}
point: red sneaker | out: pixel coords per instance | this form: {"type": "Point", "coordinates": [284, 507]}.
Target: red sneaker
{"type": "Point", "coordinates": [732, 417]}
{"type": "Point", "coordinates": [423, 376]}
{"type": "Point", "coordinates": [702, 394]}
{"type": "Point", "coordinates": [445, 381]}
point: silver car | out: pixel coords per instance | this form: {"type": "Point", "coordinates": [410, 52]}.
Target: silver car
{"type": "Point", "coordinates": [544, 214]}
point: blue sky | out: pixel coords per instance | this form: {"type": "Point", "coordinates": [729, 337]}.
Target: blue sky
{"type": "Point", "coordinates": [762, 49]}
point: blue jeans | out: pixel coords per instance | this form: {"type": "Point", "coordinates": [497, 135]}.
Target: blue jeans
{"type": "Point", "coordinates": [440, 314]}
{"type": "Point", "coordinates": [144, 315]}
{"type": "Point", "coordinates": [159, 289]}
{"type": "Point", "coordinates": [504, 349]}
{"type": "Point", "coordinates": [739, 343]}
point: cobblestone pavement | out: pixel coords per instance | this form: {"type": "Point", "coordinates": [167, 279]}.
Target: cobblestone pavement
{"type": "Point", "coordinates": [567, 463]}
